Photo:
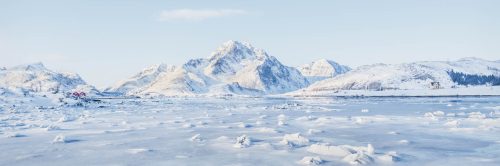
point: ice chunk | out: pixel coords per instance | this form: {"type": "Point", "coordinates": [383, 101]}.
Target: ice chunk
{"type": "Point", "coordinates": [435, 113]}
{"type": "Point", "coordinates": [389, 157]}
{"type": "Point", "coordinates": [393, 133]}
{"type": "Point", "coordinates": [138, 150]}
{"type": "Point", "coordinates": [281, 120]}
{"type": "Point", "coordinates": [282, 117]}
{"type": "Point", "coordinates": [196, 138]}
{"type": "Point", "coordinates": [281, 123]}
{"type": "Point", "coordinates": [266, 130]}
{"type": "Point", "coordinates": [452, 124]}
{"type": "Point", "coordinates": [66, 119]}
{"type": "Point", "coordinates": [243, 125]}
{"type": "Point", "coordinates": [187, 125]}
{"type": "Point", "coordinates": [52, 128]}
{"type": "Point", "coordinates": [369, 149]}
{"type": "Point", "coordinates": [314, 131]}
{"type": "Point", "coordinates": [60, 139]}
{"type": "Point", "coordinates": [404, 142]}
{"type": "Point", "coordinates": [340, 151]}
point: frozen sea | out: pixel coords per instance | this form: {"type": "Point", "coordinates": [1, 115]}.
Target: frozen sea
{"type": "Point", "coordinates": [254, 131]}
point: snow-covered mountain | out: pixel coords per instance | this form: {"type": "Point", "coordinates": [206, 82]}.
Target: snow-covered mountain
{"type": "Point", "coordinates": [234, 68]}
{"type": "Point", "coordinates": [418, 75]}
{"type": "Point", "coordinates": [322, 69]}
{"type": "Point", "coordinates": [34, 78]}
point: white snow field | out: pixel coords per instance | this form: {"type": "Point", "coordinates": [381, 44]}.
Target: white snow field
{"type": "Point", "coordinates": [252, 131]}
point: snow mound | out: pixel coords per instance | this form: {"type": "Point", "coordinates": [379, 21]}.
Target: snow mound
{"type": "Point", "coordinates": [243, 142]}
{"type": "Point", "coordinates": [354, 155]}
{"type": "Point", "coordinates": [358, 158]}
{"type": "Point", "coordinates": [434, 115]}
{"type": "Point", "coordinates": [314, 131]}
{"type": "Point", "coordinates": [308, 160]}
{"type": "Point", "coordinates": [52, 128]}
{"type": "Point", "coordinates": [294, 140]}
{"type": "Point", "coordinates": [66, 119]}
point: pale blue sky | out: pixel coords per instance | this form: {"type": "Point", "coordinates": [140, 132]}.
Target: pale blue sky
{"type": "Point", "coordinates": [105, 41]}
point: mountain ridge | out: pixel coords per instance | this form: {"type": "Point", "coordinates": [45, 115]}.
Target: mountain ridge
{"type": "Point", "coordinates": [415, 75]}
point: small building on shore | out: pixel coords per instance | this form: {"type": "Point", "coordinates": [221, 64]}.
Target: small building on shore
{"type": "Point", "coordinates": [435, 85]}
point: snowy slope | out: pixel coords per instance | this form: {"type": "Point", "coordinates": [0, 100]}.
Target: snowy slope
{"type": "Point", "coordinates": [141, 79]}
{"type": "Point", "coordinates": [234, 68]}
{"type": "Point", "coordinates": [418, 75]}
{"type": "Point", "coordinates": [322, 69]}
{"type": "Point", "coordinates": [37, 78]}
{"type": "Point", "coordinates": [253, 131]}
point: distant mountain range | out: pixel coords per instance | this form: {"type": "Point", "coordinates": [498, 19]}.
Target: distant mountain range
{"type": "Point", "coordinates": [417, 75]}
{"type": "Point", "coordinates": [238, 68]}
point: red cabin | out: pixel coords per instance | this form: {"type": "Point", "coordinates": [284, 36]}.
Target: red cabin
{"type": "Point", "coordinates": [79, 95]}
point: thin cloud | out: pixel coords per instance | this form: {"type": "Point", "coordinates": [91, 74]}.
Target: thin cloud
{"type": "Point", "coordinates": [197, 15]}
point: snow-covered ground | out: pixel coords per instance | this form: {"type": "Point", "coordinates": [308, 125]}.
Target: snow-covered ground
{"type": "Point", "coordinates": [463, 91]}
{"type": "Point", "coordinates": [252, 131]}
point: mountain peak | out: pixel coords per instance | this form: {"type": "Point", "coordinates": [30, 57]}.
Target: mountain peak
{"type": "Point", "coordinates": [236, 44]}
{"type": "Point", "coordinates": [237, 50]}
{"type": "Point", "coordinates": [471, 59]}
{"type": "Point", "coordinates": [325, 61]}
{"type": "Point", "coordinates": [32, 66]}
{"type": "Point", "coordinates": [232, 56]}
{"type": "Point", "coordinates": [322, 69]}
